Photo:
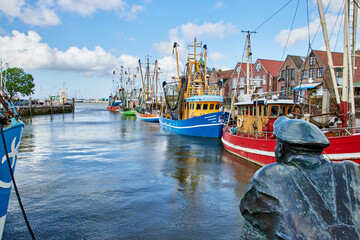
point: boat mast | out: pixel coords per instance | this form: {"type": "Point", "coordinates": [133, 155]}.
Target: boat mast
{"type": "Point", "coordinates": [205, 76]}
{"type": "Point", "coordinates": [147, 78]}
{"type": "Point", "coordinates": [248, 54]}
{"type": "Point", "coordinates": [156, 83]}
{"type": "Point", "coordinates": [346, 62]}
{"type": "Point", "coordinates": [177, 61]}
{"type": "Point", "coordinates": [328, 51]}
{"type": "Point", "coordinates": [354, 14]}
{"type": "Point", "coordinates": [142, 78]}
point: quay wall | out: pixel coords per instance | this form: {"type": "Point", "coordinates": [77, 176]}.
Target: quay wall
{"type": "Point", "coordinates": [45, 109]}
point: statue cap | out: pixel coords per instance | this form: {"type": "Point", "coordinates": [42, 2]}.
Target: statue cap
{"type": "Point", "coordinates": [300, 133]}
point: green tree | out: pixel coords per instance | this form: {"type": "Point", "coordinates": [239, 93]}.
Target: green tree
{"type": "Point", "coordinates": [18, 81]}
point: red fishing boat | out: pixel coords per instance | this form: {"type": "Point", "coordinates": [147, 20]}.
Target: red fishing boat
{"type": "Point", "coordinates": [251, 136]}
{"type": "Point", "coordinates": [148, 108]}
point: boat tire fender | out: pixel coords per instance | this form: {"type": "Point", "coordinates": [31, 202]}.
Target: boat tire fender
{"type": "Point", "coordinates": [240, 121]}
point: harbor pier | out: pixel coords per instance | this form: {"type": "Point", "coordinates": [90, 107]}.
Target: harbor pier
{"type": "Point", "coordinates": [44, 109]}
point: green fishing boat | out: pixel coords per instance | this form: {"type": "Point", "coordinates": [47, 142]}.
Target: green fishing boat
{"type": "Point", "coordinates": [128, 112]}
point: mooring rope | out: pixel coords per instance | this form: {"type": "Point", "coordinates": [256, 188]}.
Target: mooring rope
{"type": "Point", "coordinates": [15, 186]}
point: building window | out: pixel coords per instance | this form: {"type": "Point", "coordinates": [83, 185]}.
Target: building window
{"type": "Point", "coordinates": [242, 82]}
{"type": "Point", "coordinates": [312, 73]}
{"type": "Point", "coordinates": [258, 67]}
{"type": "Point", "coordinates": [257, 81]}
{"type": "Point", "coordinates": [357, 92]}
{"type": "Point", "coordinates": [264, 79]}
{"type": "Point", "coordinates": [233, 83]}
{"type": "Point", "coordinates": [282, 74]}
{"type": "Point", "coordinates": [312, 61]}
{"type": "Point", "coordinates": [319, 72]}
{"type": "Point", "coordinates": [304, 73]}
{"type": "Point", "coordinates": [292, 74]}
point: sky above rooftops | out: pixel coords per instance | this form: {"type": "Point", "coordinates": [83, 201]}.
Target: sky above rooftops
{"type": "Point", "coordinates": [77, 44]}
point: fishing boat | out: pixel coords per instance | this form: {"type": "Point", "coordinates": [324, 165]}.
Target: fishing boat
{"type": "Point", "coordinates": [114, 98]}
{"type": "Point", "coordinates": [148, 109]}
{"type": "Point", "coordinates": [128, 92]}
{"type": "Point", "coordinates": [251, 136]}
{"type": "Point", "coordinates": [114, 105]}
{"type": "Point", "coordinates": [190, 106]}
{"type": "Point", "coordinates": [11, 131]}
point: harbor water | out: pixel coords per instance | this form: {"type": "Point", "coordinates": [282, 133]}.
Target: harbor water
{"type": "Point", "coordinates": [96, 174]}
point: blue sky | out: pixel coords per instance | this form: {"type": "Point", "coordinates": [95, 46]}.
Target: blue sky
{"type": "Point", "coordinates": [78, 43]}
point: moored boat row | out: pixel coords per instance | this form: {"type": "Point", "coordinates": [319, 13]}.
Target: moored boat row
{"type": "Point", "coordinates": [191, 107]}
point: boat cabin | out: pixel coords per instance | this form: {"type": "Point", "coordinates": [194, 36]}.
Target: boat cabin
{"type": "Point", "coordinates": [257, 117]}
{"type": "Point", "coordinates": [200, 105]}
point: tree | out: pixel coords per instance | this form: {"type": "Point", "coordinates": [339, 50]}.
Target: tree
{"type": "Point", "coordinates": [18, 81]}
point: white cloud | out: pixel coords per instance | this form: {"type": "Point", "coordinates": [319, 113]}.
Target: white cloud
{"type": "Point", "coordinates": [213, 30]}
{"type": "Point", "coordinates": [132, 13]}
{"type": "Point", "coordinates": [28, 52]}
{"type": "Point", "coordinates": [218, 5]}
{"type": "Point", "coordinates": [301, 34]}
{"type": "Point", "coordinates": [86, 8]}
{"type": "Point", "coordinates": [334, 6]}
{"type": "Point", "coordinates": [40, 15]}
{"type": "Point", "coordinates": [187, 33]}
{"type": "Point", "coordinates": [216, 56]}
{"type": "Point", "coordinates": [11, 8]}
{"type": "Point", "coordinates": [43, 12]}
{"type": "Point", "coordinates": [168, 68]}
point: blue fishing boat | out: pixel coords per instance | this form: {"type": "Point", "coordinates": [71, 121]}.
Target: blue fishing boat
{"type": "Point", "coordinates": [11, 131]}
{"type": "Point", "coordinates": [191, 106]}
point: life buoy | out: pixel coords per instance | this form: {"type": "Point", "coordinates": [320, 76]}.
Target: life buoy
{"type": "Point", "coordinates": [240, 121]}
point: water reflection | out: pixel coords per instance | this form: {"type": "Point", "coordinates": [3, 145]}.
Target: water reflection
{"type": "Point", "coordinates": [100, 175]}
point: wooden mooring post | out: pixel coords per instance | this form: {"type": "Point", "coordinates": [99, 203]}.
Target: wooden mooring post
{"type": "Point", "coordinates": [51, 106]}
{"type": "Point", "coordinates": [73, 105]}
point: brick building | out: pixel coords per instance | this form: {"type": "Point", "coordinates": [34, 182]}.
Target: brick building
{"type": "Point", "coordinates": [265, 73]}
{"type": "Point", "coordinates": [289, 75]}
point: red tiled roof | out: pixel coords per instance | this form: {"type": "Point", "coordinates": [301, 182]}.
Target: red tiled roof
{"type": "Point", "coordinates": [271, 66]}
{"type": "Point", "coordinates": [225, 74]}
{"type": "Point", "coordinates": [243, 66]}
{"type": "Point", "coordinates": [336, 56]}
{"type": "Point", "coordinates": [338, 61]}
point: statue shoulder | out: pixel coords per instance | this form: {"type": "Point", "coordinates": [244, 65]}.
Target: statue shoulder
{"type": "Point", "coordinates": [352, 167]}
{"type": "Point", "coordinates": [268, 172]}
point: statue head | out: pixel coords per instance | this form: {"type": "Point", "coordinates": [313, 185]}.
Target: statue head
{"type": "Point", "coordinates": [295, 136]}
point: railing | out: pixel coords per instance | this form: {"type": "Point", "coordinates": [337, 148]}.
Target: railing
{"type": "Point", "coordinates": [250, 134]}
{"type": "Point", "coordinates": [342, 131]}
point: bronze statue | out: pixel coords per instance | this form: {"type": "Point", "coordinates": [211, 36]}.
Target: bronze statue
{"type": "Point", "coordinates": [302, 195]}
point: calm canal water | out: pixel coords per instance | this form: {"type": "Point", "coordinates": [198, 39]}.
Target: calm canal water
{"type": "Point", "coordinates": [99, 175]}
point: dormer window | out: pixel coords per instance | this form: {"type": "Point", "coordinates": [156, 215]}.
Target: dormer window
{"type": "Point", "coordinates": [312, 60]}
